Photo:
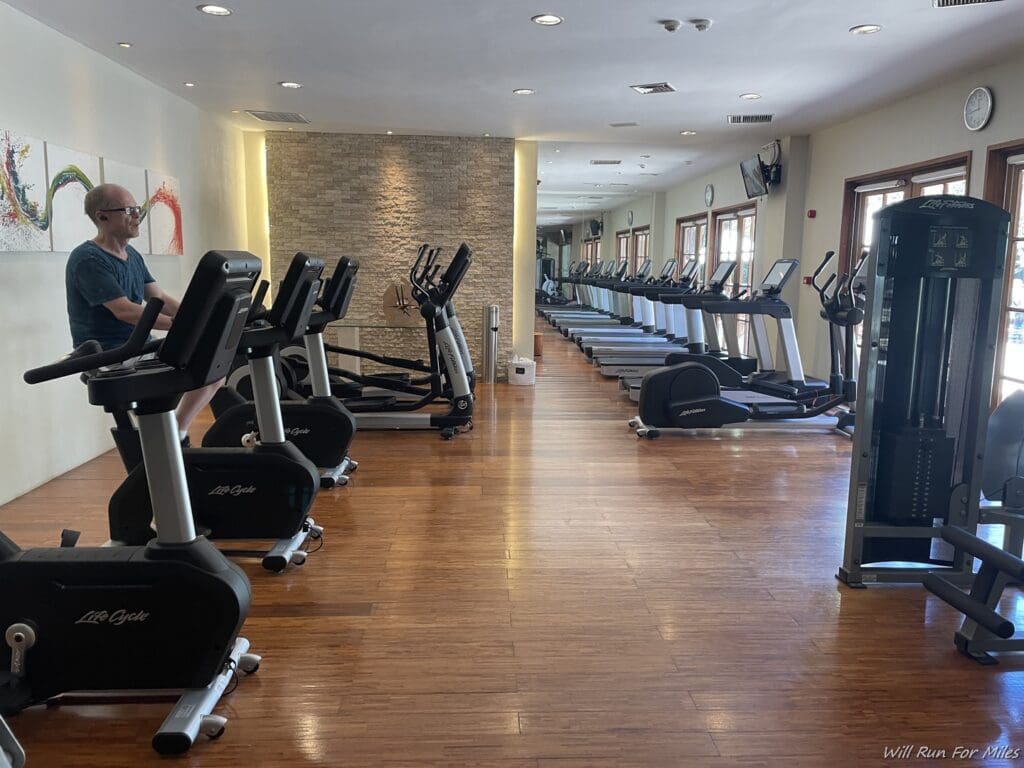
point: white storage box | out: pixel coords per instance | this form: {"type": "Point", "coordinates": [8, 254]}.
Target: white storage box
{"type": "Point", "coordinates": [522, 372]}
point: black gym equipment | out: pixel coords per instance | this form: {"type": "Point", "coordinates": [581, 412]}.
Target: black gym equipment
{"type": "Point", "coordinates": [690, 395]}
{"type": "Point", "coordinates": [11, 753]}
{"type": "Point", "coordinates": [319, 425]}
{"type": "Point", "coordinates": [263, 491]}
{"type": "Point", "coordinates": [935, 279]}
{"type": "Point", "coordinates": [398, 391]}
{"type": "Point", "coordinates": [160, 618]}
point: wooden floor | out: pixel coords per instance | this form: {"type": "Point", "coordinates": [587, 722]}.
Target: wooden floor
{"type": "Point", "coordinates": [550, 592]}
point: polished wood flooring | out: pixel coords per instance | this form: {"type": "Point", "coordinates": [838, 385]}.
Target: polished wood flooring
{"type": "Point", "coordinates": [550, 592]}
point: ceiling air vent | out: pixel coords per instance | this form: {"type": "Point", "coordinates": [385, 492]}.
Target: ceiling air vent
{"type": "Point", "coordinates": [618, 184]}
{"type": "Point", "coordinates": [277, 117]}
{"type": "Point", "coordinates": [623, 125]}
{"type": "Point", "coordinates": [605, 162]}
{"type": "Point", "coordinates": [749, 119]}
{"type": "Point", "coordinates": [954, 3]}
{"type": "Point", "coordinates": [653, 88]}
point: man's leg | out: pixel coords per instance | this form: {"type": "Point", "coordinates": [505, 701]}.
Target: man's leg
{"type": "Point", "coordinates": [192, 403]}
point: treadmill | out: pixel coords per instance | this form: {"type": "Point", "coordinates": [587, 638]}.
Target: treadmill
{"type": "Point", "coordinates": [682, 309]}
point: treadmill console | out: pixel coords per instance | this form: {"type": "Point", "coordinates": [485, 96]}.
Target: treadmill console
{"type": "Point", "coordinates": [778, 276]}
{"type": "Point", "coordinates": [722, 273]}
{"type": "Point", "coordinates": [689, 271]}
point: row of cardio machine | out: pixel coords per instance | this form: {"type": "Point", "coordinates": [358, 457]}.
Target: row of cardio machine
{"type": "Point", "coordinates": [159, 609]}
{"type": "Point", "coordinates": [674, 345]}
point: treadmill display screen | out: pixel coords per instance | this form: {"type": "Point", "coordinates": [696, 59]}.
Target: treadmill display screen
{"type": "Point", "coordinates": [722, 272]}
{"type": "Point", "coordinates": [689, 269]}
{"type": "Point", "coordinates": [778, 275]}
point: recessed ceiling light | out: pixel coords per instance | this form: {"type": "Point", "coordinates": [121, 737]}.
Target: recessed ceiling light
{"type": "Point", "coordinates": [598, 186]}
{"type": "Point", "coordinates": [750, 96]}
{"type": "Point", "coordinates": [390, 133]}
{"type": "Point", "coordinates": [557, 151]}
{"type": "Point", "coordinates": [289, 84]}
{"type": "Point", "coordinates": [190, 85]}
{"type": "Point", "coordinates": [549, 162]}
{"type": "Point", "coordinates": [125, 45]}
{"type": "Point", "coordinates": [547, 19]}
{"type": "Point", "coordinates": [214, 10]}
{"type": "Point", "coordinates": [645, 157]}
{"type": "Point", "coordinates": [487, 135]}
{"type": "Point", "coordinates": [866, 29]}
{"type": "Point", "coordinates": [235, 111]}
{"type": "Point", "coordinates": [687, 133]}
{"type": "Point", "coordinates": [524, 92]}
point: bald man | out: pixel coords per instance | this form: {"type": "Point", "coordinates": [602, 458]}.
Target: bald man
{"type": "Point", "coordinates": [107, 282]}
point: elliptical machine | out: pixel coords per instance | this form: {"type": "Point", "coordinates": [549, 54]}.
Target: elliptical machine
{"type": "Point", "coordinates": [690, 395]}
{"type": "Point", "coordinates": [165, 616]}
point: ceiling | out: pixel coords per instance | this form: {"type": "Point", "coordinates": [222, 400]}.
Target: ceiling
{"type": "Point", "coordinates": [449, 67]}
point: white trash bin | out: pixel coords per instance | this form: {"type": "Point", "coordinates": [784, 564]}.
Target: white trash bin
{"type": "Point", "coordinates": [522, 372]}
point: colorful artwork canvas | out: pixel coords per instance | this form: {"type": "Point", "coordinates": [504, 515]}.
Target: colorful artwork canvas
{"type": "Point", "coordinates": [133, 179]}
{"type": "Point", "coordinates": [24, 215]}
{"type": "Point", "coordinates": [72, 174]}
{"type": "Point", "coordinates": [164, 213]}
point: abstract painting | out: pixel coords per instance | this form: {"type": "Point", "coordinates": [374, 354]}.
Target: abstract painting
{"type": "Point", "coordinates": [72, 174]}
{"type": "Point", "coordinates": [24, 215]}
{"type": "Point", "coordinates": [133, 179]}
{"type": "Point", "coordinates": [164, 214]}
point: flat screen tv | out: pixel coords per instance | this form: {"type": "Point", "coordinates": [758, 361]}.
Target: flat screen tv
{"type": "Point", "coordinates": [755, 180]}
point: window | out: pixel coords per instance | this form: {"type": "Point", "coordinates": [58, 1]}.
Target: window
{"type": "Point", "coordinates": [733, 230]}
{"type": "Point", "coordinates": [691, 241]}
{"type": "Point", "coordinates": [866, 195]}
{"type": "Point", "coordinates": [592, 251]}
{"type": "Point", "coordinates": [621, 246]}
{"type": "Point", "coordinates": [1010, 355]}
{"type": "Point", "coordinates": [638, 253]}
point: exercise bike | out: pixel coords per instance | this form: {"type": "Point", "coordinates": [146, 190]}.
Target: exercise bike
{"type": "Point", "coordinates": [160, 617]}
{"type": "Point", "coordinates": [262, 491]}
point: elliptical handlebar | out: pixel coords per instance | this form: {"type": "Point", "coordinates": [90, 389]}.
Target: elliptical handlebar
{"type": "Point", "coordinates": [90, 355]}
{"type": "Point", "coordinates": [814, 278]}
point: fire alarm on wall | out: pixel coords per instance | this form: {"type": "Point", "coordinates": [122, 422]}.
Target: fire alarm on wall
{"type": "Point", "coordinates": [811, 214]}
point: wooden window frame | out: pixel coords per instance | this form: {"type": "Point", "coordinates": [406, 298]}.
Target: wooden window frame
{"type": "Point", "coordinates": [696, 219]}
{"type": "Point", "coordinates": [997, 175]}
{"type": "Point", "coordinates": [633, 250]}
{"type": "Point", "coordinates": [621, 236]}
{"type": "Point", "coordinates": [847, 234]}
{"type": "Point", "coordinates": [717, 215]}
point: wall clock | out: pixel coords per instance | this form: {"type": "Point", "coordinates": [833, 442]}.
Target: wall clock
{"type": "Point", "coordinates": [709, 195]}
{"type": "Point", "coordinates": [978, 108]}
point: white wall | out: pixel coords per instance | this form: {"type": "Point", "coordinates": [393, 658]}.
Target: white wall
{"type": "Point", "coordinates": [57, 90]}
{"type": "Point", "coordinates": [915, 129]}
{"type": "Point", "coordinates": [912, 130]}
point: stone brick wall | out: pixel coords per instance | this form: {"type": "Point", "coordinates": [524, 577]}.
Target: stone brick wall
{"type": "Point", "coordinates": [376, 199]}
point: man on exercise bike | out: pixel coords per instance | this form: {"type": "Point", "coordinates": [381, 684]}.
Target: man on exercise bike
{"type": "Point", "coordinates": [107, 282]}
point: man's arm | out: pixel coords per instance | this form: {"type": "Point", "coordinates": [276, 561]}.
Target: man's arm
{"type": "Point", "coordinates": [128, 311]}
{"type": "Point", "coordinates": [171, 305]}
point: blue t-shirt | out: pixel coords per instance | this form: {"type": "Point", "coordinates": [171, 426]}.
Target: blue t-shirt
{"type": "Point", "coordinates": [93, 277]}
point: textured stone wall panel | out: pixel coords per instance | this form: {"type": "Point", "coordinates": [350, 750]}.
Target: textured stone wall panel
{"type": "Point", "coordinates": [377, 199]}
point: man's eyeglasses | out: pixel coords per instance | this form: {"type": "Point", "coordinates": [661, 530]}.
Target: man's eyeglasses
{"type": "Point", "coordinates": [131, 210]}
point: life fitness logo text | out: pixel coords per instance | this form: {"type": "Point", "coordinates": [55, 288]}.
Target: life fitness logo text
{"type": "Point", "coordinates": [450, 356]}
{"type": "Point", "coordinates": [116, 619]}
{"type": "Point", "coordinates": [938, 205]}
{"type": "Point", "coordinates": [692, 411]}
{"type": "Point", "coordinates": [233, 490]}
